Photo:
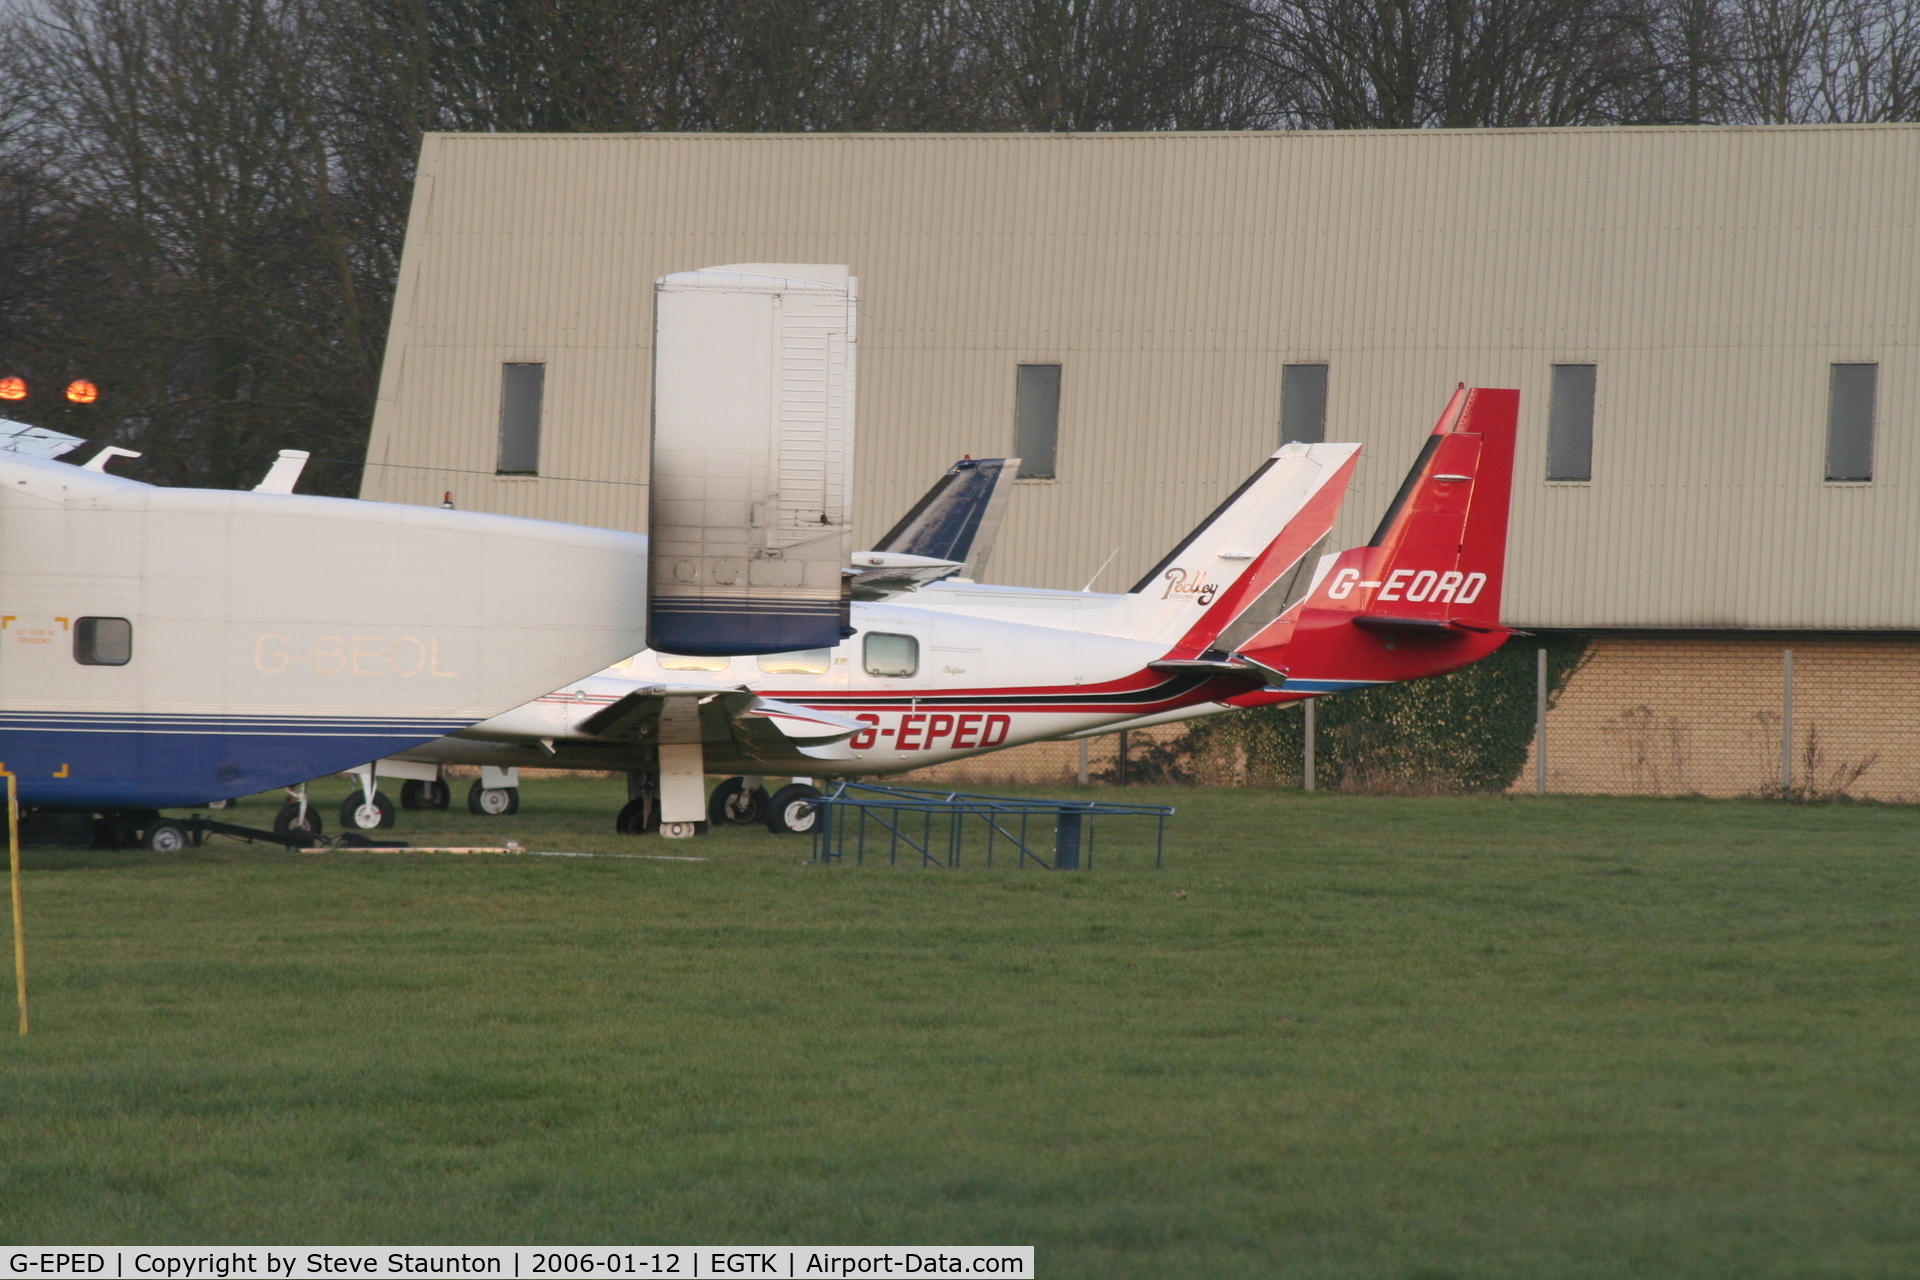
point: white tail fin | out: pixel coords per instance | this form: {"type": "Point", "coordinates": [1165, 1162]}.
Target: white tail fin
{"type": "Point", "coordinates": [1257, 535]}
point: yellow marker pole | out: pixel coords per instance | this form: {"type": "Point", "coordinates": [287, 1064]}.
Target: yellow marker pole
{"type": "Point", "coordinates": [19, 917]}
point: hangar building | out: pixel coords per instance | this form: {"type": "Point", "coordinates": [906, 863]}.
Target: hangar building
{"type": "Point", "coordinates": [1713, 330]}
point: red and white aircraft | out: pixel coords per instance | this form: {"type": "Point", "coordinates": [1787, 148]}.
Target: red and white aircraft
{"type": "Point", "coordinates": [958, 668]}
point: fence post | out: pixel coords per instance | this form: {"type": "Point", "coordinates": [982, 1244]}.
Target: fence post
{"type": "Point", "coordinates": [19, 919]}
{"type": "Point", "coordinates": [1083, 762]}
{"type": "Point", "coordinates": [1540, 725]}
{"type": "Point", "coordinates": [1066, 841]}
{"type": "Point", "coordinates": [1786, 720]}
{"type": "Point", "coordinates": [1120, 770]}
{"type": "Point", "coordinates": [1306, 772]}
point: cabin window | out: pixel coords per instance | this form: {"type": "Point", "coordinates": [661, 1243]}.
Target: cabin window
{"type": "Point", "coordinates": [691, 662]}
{"type": "Point", "coordinates": [1303, 404]}
{"type": "Point", "coordinates": [102, 642]}
{"type": "Point", "coordinates": [521, 388]}
{"type": "Point", "coordinates": [1570, 423]}
{"type": "Point", "coordinates": [889, 655]}
{"type": "Point", "coordinates": [800, 662]}
{"type": "Point", "coordinates": [1036, 419]}
{"type": "Point", "coordinates": [1850, 397]}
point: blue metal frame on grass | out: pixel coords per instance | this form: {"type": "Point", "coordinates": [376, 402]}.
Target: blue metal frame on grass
{"type": "Point", "coordinates": [852, 809]}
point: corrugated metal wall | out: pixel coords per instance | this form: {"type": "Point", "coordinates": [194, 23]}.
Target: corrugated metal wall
{"type": "Point", "coordinates": [1713, 275]}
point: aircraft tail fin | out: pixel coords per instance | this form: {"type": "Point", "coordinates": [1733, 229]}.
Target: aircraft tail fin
{"type": "Point", "coordinates": [1265, 528]}
{"type": "Point", "coordinates": [1423, 596]}
{"type": "Point", "coordinates": [959, 518]}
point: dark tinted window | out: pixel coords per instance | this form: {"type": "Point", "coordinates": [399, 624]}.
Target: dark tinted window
{"type": "Point", "coordinates": [1570, 423]}
{"type": "Point", "coordinates": [521, 388]}
{"type": "Point", "coordinates": [1036, 419]}
{"type": "Point", "coordinates": [102, 642]}
{"type": "Point", "coordinates": [1850, 397]}
{"type": "Point", "coordinates": [1303, 404]}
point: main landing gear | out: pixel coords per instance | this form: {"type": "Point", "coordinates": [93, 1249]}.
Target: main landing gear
{"type": "Point", "coordinates": [792, 812]}
{"type": "Point", "coordinates": [736, 802]}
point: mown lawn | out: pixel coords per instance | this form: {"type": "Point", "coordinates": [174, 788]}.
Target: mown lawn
{"type": "Point", "coordinates": [1336, 1036]}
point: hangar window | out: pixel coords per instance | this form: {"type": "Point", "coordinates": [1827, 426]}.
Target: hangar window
{"type": "Point", "coordinates": [521, 389]}
{"type": "Point", "coordinates": [102, 642]}
{"type": "Point", "coordinates": [1303, 404]}
{"type": "Point", "coordinates": [799, 662]}
{"type": "Point", "coordinates": [1036, 419]}
{"type": "Point", "coordinates": [1850, 397]}
{"type": "Point", "coordinates": [888, 655]}
{"type": "Point", "coordinates": [1570, 423]}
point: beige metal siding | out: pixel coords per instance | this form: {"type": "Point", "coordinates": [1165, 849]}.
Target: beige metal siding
{"type": "Point", "coordinates": [1713, 275]}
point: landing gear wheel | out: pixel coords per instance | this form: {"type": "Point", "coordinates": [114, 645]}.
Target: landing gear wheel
{"type": "Point", "coordinates": [638, 817]}
{"type": "Point", "coordinates": [358, 814]}
{"type": "Point", "coordinates": [166, 837]}
{"type": "Point", "coordinates": [682, 830]}
{"type": "Point", "coordinates": [793, 811]}
{"type": "Point", "coordinates": [492, 802]}
{"type": "Point", "coordinates": [288, 822]}
{"type": "Point", "coordinates": [425, 795]}
{"type": "Point", "coordinates": [731, 804]}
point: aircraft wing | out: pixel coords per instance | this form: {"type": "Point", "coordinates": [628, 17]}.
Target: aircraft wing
{"type": "Point", "coordinates": [756, 727]}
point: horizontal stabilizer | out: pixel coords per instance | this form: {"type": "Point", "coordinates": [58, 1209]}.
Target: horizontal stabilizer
{"type": "Point", "coordinates": [35, 442]}
{"type": "Point", "coordinates": [876, 575]}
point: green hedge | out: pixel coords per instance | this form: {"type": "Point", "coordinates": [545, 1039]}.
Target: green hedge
{"type": "Point", "coordinates": [1468, 731]}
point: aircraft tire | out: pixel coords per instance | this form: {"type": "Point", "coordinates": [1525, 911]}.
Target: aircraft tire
{"type": "Point", "coordinates": [357, 815]}
{"type": "Point", "coordinates": [492, 802]}
{"type": "Point", "coordinates": [731, 804]}
{"type": "Point", "coordinates": [417, 794]}
{"type": "Point", "coordinates": [638, 817]}
{"type": "Point", "coordinates": [166, 837]}
{"type": "Point", "coordinates": [287, 821]}
{"type": "Point", "coordinates": [792, 811]}
{"type": "Point", "coordinates": [682, 830]}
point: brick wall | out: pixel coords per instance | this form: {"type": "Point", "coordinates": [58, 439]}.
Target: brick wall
{"type": "Point", "coordinates": [1691, 713]}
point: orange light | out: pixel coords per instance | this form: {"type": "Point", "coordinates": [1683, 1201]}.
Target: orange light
{"type": "Point", "coordinates": [13, 388]}
{"type": "Point", "coordinates": [81, 391]}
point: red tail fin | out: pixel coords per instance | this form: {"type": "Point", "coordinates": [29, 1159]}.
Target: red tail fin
{"type": "Point", "coordinates": [1424, 595]}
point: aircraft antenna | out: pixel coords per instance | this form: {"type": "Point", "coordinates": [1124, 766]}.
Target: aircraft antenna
{"type": "Point", "coordinates": [1102, 569]}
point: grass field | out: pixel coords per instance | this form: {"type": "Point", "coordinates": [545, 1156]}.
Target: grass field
{"type": "Point", "coordinates": [1336, 1036]}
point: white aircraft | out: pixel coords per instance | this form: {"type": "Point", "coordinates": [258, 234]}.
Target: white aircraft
{"type": "Point", "coordinates": [959, 668]}
{"type": "Point", "coordinates": [167, 647]}
{"type": "Point", "coordinates": [948, 533]}
{"type": "Point", "coordinates": [164, 648]}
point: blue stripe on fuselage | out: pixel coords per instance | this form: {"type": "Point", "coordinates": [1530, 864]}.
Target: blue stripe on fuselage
{"type": "Point", "coordinates": [128, 760]}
